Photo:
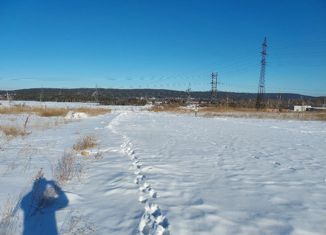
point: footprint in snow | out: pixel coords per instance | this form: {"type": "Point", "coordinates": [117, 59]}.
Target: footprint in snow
{"type": "Point", "coordinates": [153, 222]}
{"type": "Point", "coordinates": [137, 165]}
{"type": "Point", "coordinates": [139, 179]}
{"type": "Point", "coordinates": [152, 193]}
{"type": "Point", "coordinates": [145, 187]}
{"type": "Point", "coordinates": [276, 163]}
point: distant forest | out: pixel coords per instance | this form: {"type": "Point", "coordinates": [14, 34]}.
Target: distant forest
{"type": "Point", "coordinates": [143, 96]}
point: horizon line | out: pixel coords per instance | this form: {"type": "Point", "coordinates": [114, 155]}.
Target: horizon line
{"type": "Point", "coordinates": [223, 91]}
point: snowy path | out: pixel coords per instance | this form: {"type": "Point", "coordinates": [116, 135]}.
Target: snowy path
{"type": "Point", "coordinates": [152, 221]}
{"type": "Point", "coordinates": [115, 193]}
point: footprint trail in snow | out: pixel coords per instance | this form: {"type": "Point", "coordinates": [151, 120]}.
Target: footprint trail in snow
{"type": "Point", "coordinates": [152, 222]}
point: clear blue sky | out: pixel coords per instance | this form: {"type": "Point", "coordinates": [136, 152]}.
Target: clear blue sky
{"type": "Point", "coordinates": [163, 44]}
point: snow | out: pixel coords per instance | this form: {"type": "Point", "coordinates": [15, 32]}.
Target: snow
{"type": "Point", "coordinates": [165, 174]}
{"type": "Point", "coordinates": [71, 115]}
{"type": "Point", "coordinates": [74, 105]}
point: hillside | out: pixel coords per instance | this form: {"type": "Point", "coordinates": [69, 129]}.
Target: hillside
{"type": "Point", "coordinates": [143, 96]}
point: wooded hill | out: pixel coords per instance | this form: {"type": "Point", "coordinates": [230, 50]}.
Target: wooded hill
{"type": "Point", "coordinates": [141, 96]}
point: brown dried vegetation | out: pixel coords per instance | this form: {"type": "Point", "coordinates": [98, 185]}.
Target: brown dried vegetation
{"type": "Point", "coordinates": [85, 143]}
{"type": "Point", "coordinates": [268, 113]}
{"type": "Point", "coordinates": [222, 111]}
{"type": "Point", "coordinates": [67, 168]}
{"type": "Point", "coordinates": [168, 108]}
{"type": "Point", "coordinates": [13, 131]}
{"type": "Point", "coordinates": [50, 112]}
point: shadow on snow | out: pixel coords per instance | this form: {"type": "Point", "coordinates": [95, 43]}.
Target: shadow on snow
{"type": "Point", "coordinates": [40, 205]}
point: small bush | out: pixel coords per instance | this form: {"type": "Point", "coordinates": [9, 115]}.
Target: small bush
{"type": "Point", "coordinates": [85, 143]}
{"type": "Point", "coordinates": [67, 168]}
{"type": "Point", "coordinates": [75, 223]}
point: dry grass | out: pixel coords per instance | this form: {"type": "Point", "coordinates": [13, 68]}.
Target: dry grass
{"type": "Point", "coordinates": [16, 109]}
{"type": "Point", "coordinates": [315, 116]}
{"type": "Point", "coordinates": [84, 153]}
{"type": "Point", "coordinates": [50, 112]}
{"type": "Point", "coordinates": [213, 111]}
{"type": "Point", "coordinates": [168, 108]}
{"type": "Point", "coordinates": [67, 168]}
{"type": "Point", "coordinates": [9, 217]}
{"type": "Point", "coordinates": [41, 111]}
{"type": "Point", "coordinates": [224, 109]}
{"type": "Point", "coordinates": [13, 131]}
{"type": "Point", "coordinates": [75, 223]}
{"type": "Point", "coordinates": [92, 111]}
{"type": "Point", "coordinates": [305, 116]}
{"type": "Point", "coordinates": [84, 143]}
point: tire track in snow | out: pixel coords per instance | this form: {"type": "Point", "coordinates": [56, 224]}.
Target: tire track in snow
{"type": "Point", "coordinates": [152, 222]}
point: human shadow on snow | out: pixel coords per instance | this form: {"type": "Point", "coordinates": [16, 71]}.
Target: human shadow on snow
{"type": "Point", "coordinates": [40, 205]}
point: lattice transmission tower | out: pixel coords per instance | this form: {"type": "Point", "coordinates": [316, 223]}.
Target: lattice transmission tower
{"type": "Point", "coordinates": [260, 102]}
{"type": "Point", "coordinates": [188, 92]}
{"type": "Point", "coordinates": [214, 87]}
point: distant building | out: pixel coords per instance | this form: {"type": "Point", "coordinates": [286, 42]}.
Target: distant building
{"type": "Point", "coordinates": [301, 108]}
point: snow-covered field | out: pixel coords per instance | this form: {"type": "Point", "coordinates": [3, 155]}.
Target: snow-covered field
{"type": "Point", "coordinates": [161, 173]}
